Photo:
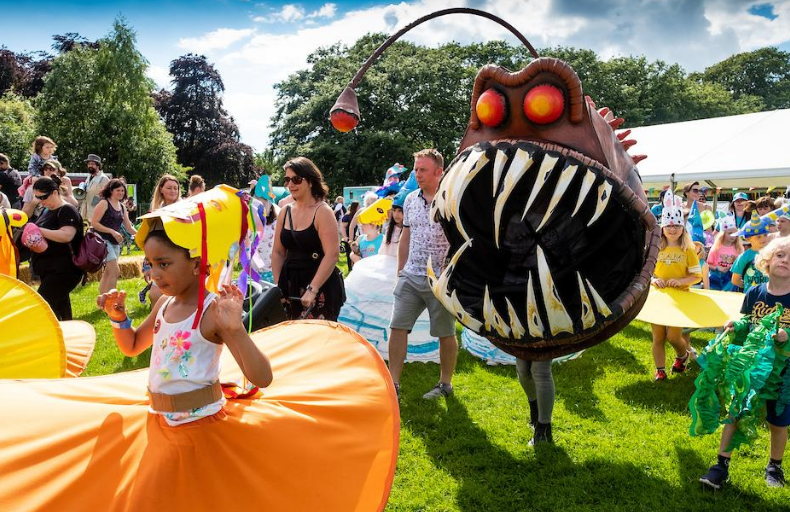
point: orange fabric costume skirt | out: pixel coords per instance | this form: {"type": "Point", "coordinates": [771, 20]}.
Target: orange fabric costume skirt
{"type": "Point", "coordinates": [324, 436]}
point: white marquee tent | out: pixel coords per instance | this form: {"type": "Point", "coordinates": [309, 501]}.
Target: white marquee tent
{"type": "Point", "coordinates": [749, 150]}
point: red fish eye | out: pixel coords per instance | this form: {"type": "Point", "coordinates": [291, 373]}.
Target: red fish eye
{"type": "Point", "coordinates": [491, 108]}
{"type": "Point", "coordinates": [544, 104]}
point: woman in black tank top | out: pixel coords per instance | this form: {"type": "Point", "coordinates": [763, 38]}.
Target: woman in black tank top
{"type": "Point", "coordinates": [306, 247]}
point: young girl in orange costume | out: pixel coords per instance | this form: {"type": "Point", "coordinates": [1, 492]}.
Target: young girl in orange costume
{"type": "Point", "coordinates": [677, 266]}
{"type": "Point", "coordinates": [183, 378]}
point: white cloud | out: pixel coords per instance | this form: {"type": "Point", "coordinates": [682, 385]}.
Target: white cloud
{"type": "Point", "coordinates": [752, 31]}
{"type": "Point", "coordinates": [291, 12]}
{"type": "Point", "coordinates": [219, 39]}
{"type": "Point", "coordinates": [694, 33]}
{"type": "Point", "coordinates": [326, 11]}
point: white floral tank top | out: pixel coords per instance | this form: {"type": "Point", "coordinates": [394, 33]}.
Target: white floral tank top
{"type": "Point", "coordinates": [183, 360]}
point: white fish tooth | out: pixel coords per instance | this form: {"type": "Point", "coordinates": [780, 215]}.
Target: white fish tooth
{"type": "Point", "coordinates": [464, 316]}
{"type": "Point", "coordinates": [588, 315]}
{"type": "Point", "coordinates": [604, 194]}
{"type": "Point", "coordinates": [439, 199]}
{"type": "Point", "coordinates": [543, 174]}
{"type": "Point", "coordinates": [432, 281]}
{"type": "Point", "coordinates": [499, 163]}
{"type": "Point", "coordinates": [587, 183]}
{"type": "Point", "coordinates": [458, 171]}
{"type": "Point", "coordinates": [440, 286]}
{"type": "Point", "coordinates": [492, 317]}
{"type": "Point", "coordinates": [603, 309]}
{"type": "Point", "coordinates": [559, 320]}
{"type": "Point", "coordinates": [460, 188]}
{"type": "Point", "coordinates": [439, 289]}
{"type": "Point", "coordinates": [442, 195]}
{"type": "Point", "coordinates": [515, 323]}
{"type": "Point", "coordinates": [534, 322]}
{"type": "Point", "coordinates": [521, 163]}
{"type": "Point", "coordinates": [562, 185]}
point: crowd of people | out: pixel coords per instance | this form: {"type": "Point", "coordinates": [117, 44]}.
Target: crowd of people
{"type": "Point", "coordinates": [304, 236]}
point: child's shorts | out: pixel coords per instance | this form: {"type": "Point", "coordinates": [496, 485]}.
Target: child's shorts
{"type": "Point", "coordinates": [771, 417]}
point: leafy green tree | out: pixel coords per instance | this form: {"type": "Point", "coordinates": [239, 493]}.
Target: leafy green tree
{"type": "Point", "coordinates": [764, 73]}
{"type": "Point", "coordinates": [206, 136]}
{"type": "Point", "coordinates": [266, 163]}
{"type": "Point", "coordinates": [415, 97]}
{"type": "Point", "coordinates": [98, 100]}
{"type": "Point", "coordinates": [17, 129]}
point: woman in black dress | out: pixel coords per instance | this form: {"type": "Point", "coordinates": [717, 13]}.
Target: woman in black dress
{"type": "Point", "coordinates": [306, 247]}
{"type": "Point", "coordinates": [61, 226]}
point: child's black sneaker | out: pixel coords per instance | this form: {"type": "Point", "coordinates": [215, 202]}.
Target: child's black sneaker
{"type": "Point", "coordinates": [715, 477]}
{"type": "Point", "coordinates": [774, 475]}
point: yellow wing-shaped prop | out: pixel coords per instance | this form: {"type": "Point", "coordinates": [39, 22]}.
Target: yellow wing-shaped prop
{"type": "Point", "coordinates": [31, 340]}
{"type": "Point", "coordinates": [690, 308]}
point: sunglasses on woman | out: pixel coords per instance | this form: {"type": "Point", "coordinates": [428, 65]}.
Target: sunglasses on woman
{"type": "Point", "coordinates": [45, 196]}
{"type": "Point", "coordinates": [296, 180]}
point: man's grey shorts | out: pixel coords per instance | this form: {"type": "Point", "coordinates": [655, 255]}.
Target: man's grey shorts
{"type": "Point", "coordinates": [412, 295]}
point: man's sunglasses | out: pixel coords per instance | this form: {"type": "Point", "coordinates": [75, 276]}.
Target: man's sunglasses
{"type": "Point", "coordinates": [297, 180]}
{"type": "Point", "coordinates": [45, 196]}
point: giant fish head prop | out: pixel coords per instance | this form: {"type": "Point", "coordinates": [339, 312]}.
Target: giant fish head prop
{"type": "Point", "coordinates": [552, 243]}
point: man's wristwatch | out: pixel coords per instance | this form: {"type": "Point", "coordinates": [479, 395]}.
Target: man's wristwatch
{"type": "Point", "coordinates": [310, 288]}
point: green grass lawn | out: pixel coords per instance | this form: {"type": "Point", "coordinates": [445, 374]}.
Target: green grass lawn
{"type": "Point", "coordinates": [622, 440]}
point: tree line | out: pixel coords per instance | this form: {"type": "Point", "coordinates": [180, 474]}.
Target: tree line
{"type": "Point", "coordinates": [94, 97]}
{"type": "Point", "coordinates": [415, 97]}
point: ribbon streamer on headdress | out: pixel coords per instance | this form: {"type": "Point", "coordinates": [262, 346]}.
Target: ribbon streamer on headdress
{"type": "Point", "coordinates": [203, 265]}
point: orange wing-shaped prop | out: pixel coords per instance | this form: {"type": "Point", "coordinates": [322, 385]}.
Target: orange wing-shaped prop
{"type": "Point", "coordinates": [324, 436]}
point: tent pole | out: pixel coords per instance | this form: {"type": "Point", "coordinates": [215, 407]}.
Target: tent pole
{"type": "Point", "coordinates": [715, 196]}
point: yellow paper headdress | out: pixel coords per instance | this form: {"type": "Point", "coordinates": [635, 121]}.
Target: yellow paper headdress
{"type": "Point", "coordinates": [376, 213]}
{"type": "Point", "coordinates": [209, 225]}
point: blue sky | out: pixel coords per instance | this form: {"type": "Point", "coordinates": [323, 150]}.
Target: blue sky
{"type": "Point", "coordinates": [255, 44]}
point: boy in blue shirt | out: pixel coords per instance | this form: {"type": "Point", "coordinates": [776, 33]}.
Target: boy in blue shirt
{"type": "Point", "coordinates": [744, 272]}
{"type": "Point", "coordinates": [761, 300]}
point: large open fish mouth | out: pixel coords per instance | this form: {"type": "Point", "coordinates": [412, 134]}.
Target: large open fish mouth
{"type": "Point", "coordinates": [548, 248]}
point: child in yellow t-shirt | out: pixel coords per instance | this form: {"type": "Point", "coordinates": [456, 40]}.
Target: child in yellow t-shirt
{"type": "Point", "coordinates": [677, 266]}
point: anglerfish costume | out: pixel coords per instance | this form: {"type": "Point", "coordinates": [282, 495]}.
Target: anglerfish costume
{"type": "Point", "coordinates": [552, 244]}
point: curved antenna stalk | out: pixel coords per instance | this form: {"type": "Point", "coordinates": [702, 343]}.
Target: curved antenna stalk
{"type": "Point", "coordinates": [345, 113]}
